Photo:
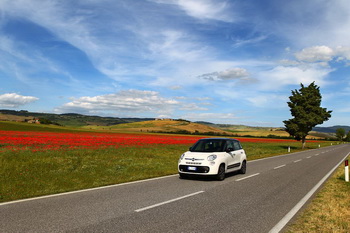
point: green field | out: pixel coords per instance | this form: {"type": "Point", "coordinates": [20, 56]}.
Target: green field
{"type": "Point", "coordinates": [25, 173]}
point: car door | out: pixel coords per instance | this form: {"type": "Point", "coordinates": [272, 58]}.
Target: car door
{"type": "Point", "coordinates": [231, 155]}
{"type": "Point", "coordinates": [235, 154]}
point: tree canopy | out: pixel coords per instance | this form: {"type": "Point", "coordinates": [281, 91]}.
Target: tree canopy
{"type": "Point", "coordinates": [340, 133]}
{"type": "Point", "coordinates": [305, 107]}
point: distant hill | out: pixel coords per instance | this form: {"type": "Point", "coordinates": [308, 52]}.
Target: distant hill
{"type": "Point", "coordinates": [66, 119]}
{"type": "Point", "coordinates": [331, 129]}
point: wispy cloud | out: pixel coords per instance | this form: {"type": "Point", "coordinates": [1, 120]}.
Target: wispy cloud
{"type": "Point", "coordinates": [205, 9]}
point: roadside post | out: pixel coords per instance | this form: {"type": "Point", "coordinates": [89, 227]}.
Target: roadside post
{"type": "Point", "coordinates": [346, 170]}
{"type": "Point", "coordinates": [288, 149]}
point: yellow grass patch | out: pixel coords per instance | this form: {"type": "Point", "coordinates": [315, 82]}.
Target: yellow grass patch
{"type": "Point", "coordinates": [162, 126]}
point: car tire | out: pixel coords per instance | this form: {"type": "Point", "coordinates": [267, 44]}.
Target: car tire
{"type": "Point", "coordinates": [243, 169]}
{"type": "Point", "coordinates": [221, 173]}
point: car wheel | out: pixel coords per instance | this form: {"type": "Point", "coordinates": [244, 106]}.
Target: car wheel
{"type": "Point", "coordinates": [221, 173]}
{"type": "Point", "coordinates": [243, 168]}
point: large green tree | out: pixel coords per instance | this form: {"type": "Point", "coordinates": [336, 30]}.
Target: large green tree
{"type": "Point", "coordinates": [305, 107]}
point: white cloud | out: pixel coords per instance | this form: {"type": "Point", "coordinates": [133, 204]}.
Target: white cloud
{"type": "Point", "coordinates": [13, 100]}
{"type": "Point", "coordinates": [321, 55]}
{"type": "Point", "coordinates": [123, 101]}
{"type": "Point", "coordinates": [229, 74]}
{"type": "Point", "coordinates": [315, 54]}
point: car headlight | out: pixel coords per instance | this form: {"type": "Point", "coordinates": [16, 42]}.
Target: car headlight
{"type": "Point", "coordinates": [211, 157]}
{"type": "Point", "coordinates": [182, 156]}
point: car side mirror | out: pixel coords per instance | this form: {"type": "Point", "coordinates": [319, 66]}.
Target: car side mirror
{"type": "Point", "coordinates": [228, 150]}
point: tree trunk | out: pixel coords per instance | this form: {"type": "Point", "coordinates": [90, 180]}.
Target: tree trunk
{"type": "Point", "coordinates": [303, 141]}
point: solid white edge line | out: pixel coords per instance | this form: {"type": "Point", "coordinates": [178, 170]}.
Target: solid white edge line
{"type": "Point", "coordinates": [283, 222]}
{"type": "Point", "coordinates": [279, 166]}
{"type": "Point", "coordinates": [248, 177]}
{"type": "Point", "coordinates": [85, 190]}
{"type": "Point", "coordinates": [169, 201]}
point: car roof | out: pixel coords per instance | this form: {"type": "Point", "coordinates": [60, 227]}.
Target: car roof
{"type": "Point", "coordinates": [219, 139]}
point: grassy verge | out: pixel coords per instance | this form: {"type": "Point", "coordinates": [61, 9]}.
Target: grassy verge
{"type": "Point", "coordinates": [330, 210]}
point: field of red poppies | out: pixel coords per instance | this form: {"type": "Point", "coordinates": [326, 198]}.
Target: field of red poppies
{"type": "Point", "coordinates": [17, 140]}
{"type": "Point", "coordinates": [55, 140]}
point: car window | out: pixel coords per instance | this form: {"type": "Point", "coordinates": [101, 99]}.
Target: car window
{"type": "Point", "coordinates": [212, 145]}
{"type": "Point", "coordinates": [237, 146]}
{"type": "Point", "coordinates": [229, 145]}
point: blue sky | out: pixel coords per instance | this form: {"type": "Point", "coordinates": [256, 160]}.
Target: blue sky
{"type": "Point", "coordinates": [232, 62]}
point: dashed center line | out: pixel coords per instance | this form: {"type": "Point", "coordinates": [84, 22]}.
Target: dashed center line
{"type": "Point", "coordinates": [169, 201]}
{"type": "Point", "coordinates": [248, 177]}
{"type": "Point", "coordinates": [280, 166]}
{"type": "Point", "coordinates": [297, 160]}
{"type": "Point", "coordinates": [308, 157]}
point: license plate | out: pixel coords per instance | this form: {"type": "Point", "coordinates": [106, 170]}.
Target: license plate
{"type": "Point", "coordinates": [192, 168]}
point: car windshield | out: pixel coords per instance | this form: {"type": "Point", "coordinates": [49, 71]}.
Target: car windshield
{"type": "Point", "coordinates": [209, 145]}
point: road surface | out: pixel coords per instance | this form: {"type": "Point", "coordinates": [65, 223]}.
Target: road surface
{"type": "Point", "coordinates": [262, 200]}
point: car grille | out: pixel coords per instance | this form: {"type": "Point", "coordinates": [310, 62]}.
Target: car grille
{"type": "Point", "coordinates": [193, 163]}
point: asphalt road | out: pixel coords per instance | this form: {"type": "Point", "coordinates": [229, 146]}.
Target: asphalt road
{"type": "Point", "coordinates": [259, 201]}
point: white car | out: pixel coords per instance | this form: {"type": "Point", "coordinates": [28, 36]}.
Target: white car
{"type": "Point", "coordinates": [213, 156]}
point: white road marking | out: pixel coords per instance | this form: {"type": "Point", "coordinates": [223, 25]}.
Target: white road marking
{"type": "Point", "coordinates": [297, 160]}
{"type": "Point", "coordinates": [279, 166]}
{"type": "Point", "coordinates": [248, 177]}
{"type": "Point", "coordinates": [283, 222]}
{"type": "Point", "coordinates": [308, 157]}
{"type": "Point", "coordinates": [169, 201]}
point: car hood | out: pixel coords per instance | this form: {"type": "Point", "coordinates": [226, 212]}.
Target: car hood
{"type": "Point", "coordinates": [198, 155]}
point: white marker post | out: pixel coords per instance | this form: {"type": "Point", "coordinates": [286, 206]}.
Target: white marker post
{"type": "Point", "coordinates": [346, 170]}
{"type": "Point", "coordinates": [288, 149]}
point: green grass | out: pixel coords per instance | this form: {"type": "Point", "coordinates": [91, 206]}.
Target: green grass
{"type": "Point", "coordinates": [20, 126]}
{"type": "Point", "coordinates": [25, 173]}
